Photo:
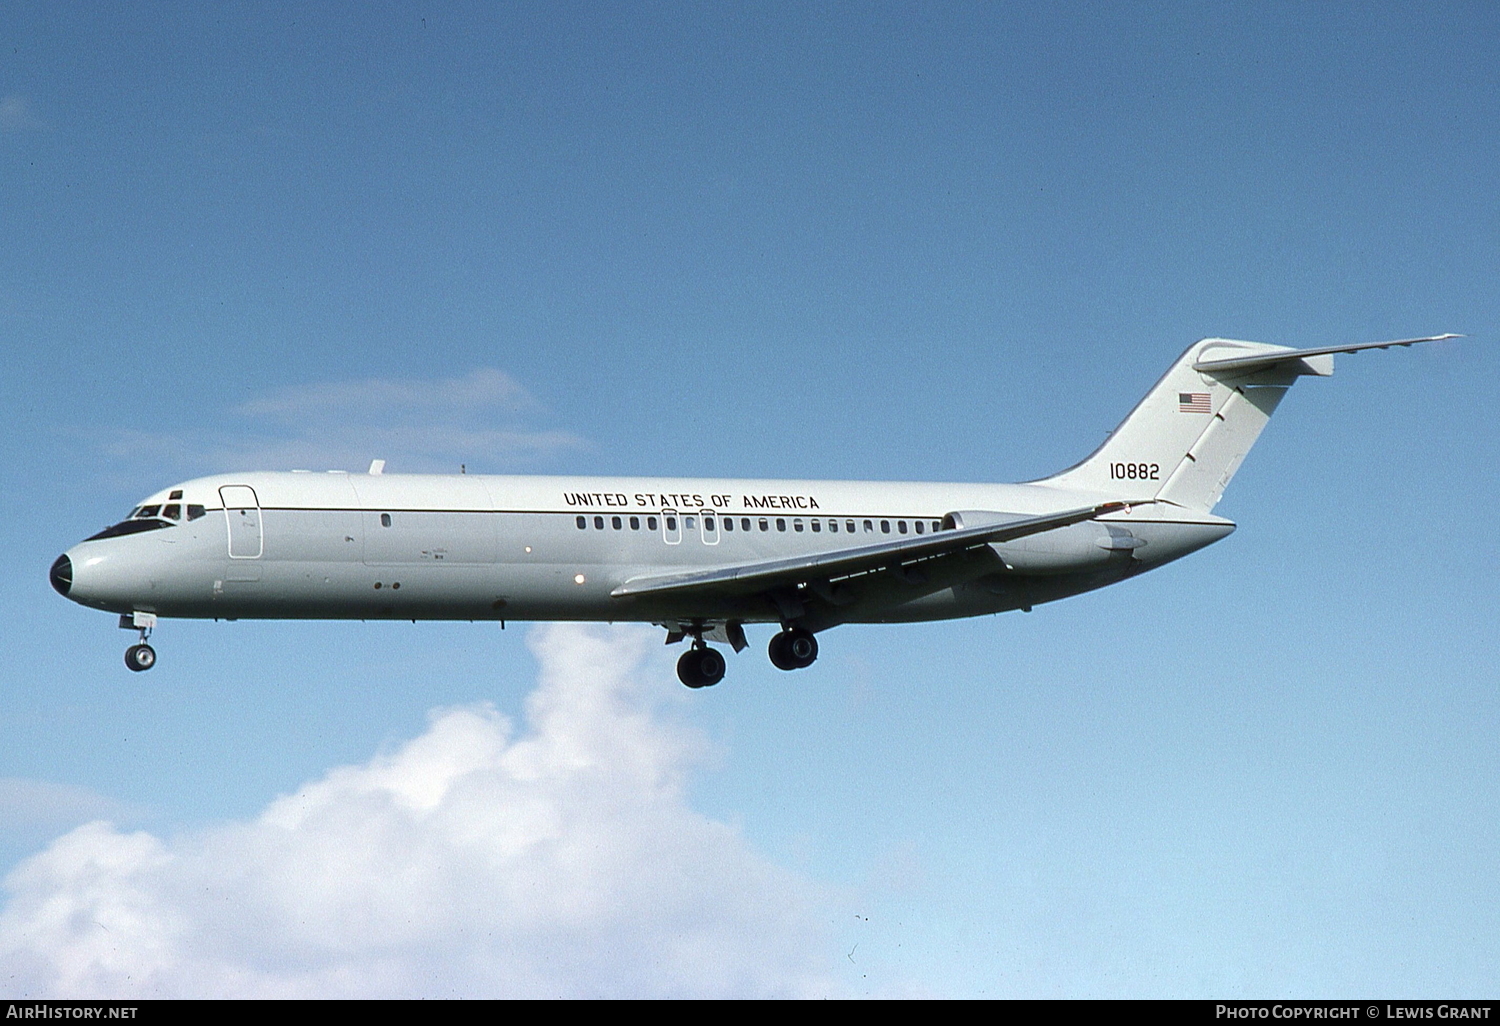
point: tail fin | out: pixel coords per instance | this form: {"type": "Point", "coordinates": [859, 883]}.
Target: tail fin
{"type": "Point", "coordinates": [1185, 440]}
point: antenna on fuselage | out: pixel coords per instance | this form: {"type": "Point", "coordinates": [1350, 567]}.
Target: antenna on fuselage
{"type": "Point", "coordinates": [377, 467]}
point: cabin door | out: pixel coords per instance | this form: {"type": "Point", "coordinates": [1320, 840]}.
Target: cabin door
{"type": "Point", "coordinates": [242, 511]}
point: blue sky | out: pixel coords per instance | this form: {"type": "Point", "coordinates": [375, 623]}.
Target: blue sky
{"type": "Point", "coordinates": [937, 242]}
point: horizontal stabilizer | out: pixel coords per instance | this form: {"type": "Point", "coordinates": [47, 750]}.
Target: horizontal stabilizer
{"type": "Point", "coordinates": [1263, 360]}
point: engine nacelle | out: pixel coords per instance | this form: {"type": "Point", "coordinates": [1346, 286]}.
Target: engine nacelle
{"type": "Point", "coordinates": [1078, 548]}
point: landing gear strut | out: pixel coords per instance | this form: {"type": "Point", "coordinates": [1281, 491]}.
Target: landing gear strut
{"type": "Point", "coordinates": [793, 649]}
{"type": "Point", "coordinates": [140, 656]}
{"type": "Point", "coordinates": [700, 666]}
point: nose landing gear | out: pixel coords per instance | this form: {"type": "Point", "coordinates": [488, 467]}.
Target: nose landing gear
{"type": "Point", "coordinates": [139, 656]}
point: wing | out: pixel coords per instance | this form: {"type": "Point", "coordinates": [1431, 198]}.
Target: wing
{"type": "Point", "coordinates": [773, 573]}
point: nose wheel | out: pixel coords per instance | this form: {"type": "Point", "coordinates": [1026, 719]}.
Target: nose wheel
{"type": "Point", "coordinates": [139, 656]}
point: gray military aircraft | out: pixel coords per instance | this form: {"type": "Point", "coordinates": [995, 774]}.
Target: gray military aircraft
{"type": "Point", "coordinates": [701, 558]}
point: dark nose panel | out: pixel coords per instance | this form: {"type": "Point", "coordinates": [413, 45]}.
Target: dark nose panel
{"type": "Point", "coordinates": [62, 575]}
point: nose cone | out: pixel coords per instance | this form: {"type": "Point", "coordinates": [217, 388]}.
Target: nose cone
{"type": "Point", "coordinates": [62, 575]}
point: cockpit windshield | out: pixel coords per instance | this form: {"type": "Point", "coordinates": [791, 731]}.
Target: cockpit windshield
{"type": "Point", "coordinates": [133, 526]}
{"type": "Point", "coordinates": [153, 518]}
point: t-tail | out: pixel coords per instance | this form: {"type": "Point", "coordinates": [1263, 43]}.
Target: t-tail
{"type": "Point", "coordinates": [1184, 441]}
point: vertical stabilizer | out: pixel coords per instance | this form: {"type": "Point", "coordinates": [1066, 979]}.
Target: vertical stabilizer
{"type": "Point", "coordinates": [1185, 440]}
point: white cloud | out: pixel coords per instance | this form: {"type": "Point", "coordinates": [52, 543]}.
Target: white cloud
{"type": "Point", "coordinates": [485, 388]}
{"type": "Point", "coordinates": [33, 812]}
{"type": "Point", "coordinates": [433, 448]}
{"type": "Point", "coordinates": [16, 115]}
{"type": "Point", "coordinates": [43, 804]}
{"type": "Point", "coordinates": [412, 424]}
{"type": "Point", "coordinates": [471, 860]}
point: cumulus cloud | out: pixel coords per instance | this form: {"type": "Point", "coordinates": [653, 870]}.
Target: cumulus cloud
{"type": "Point", "coordinates": [33, 812]}
{"type": "Point", "coordinates": [44, 803]}
{"type": "Point", "coordinates": [562, 859]}
{"type": "Point", "coordinates": [413, 424]}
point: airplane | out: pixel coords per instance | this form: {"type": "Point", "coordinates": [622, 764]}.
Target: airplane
{"type": "Point", "coordinates": [699, 557]}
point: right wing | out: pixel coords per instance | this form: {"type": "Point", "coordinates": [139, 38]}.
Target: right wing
{"type": "Point", "coordinates": [777, 573]}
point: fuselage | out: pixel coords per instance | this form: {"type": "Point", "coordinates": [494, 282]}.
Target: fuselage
{"type": "Point", "coordinates": [476, 547]}
{"type": "Point", "coordinates": [700, 557]}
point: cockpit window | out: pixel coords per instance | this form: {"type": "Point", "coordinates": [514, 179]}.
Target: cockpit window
{"type": "Point", "coordinates": [148, 511]}
{"type": "Point", "coordinates": [195, 511]}
{"type": "Point", "coordinates": [135, 526]}
{"type": "Point", "coordinates": [172, 511]}
{"type": "Point", "coordinates": [176, 494]}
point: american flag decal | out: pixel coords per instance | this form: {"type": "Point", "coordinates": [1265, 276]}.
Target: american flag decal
{"type": "Point", "coordinates": [1193, 402]}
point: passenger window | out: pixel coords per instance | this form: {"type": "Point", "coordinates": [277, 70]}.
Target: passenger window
{"type": "Point", "coordinates": [635, 523]}
{"type": "Point", "coordinates": [671, 523]}
{"type": "Point", "coordinates": [765, 525]}
{"type": "Point", "coordinates": [729, 523]}
{"type": "Point", "coordinates": [650, 523]}
{"type": "Point", "coordinates": [885, 527]}
{"type": "Point", "coordinates": [689, 522]}
{"type": "Point", "coordinates": [172, 512]}
{"type": "Point", "coordinates": [937, 526]}
{"type": "Point", "coordinates": [920, 526]}
{"type": "Point", "coordinates": [583, 523]}
{"type": "Point", "coordinates": [744, 523]}
{"type": "Point", "coordinates": [849, 526]}
{"type": "Point", "coordinates": [869, 527]}
{"type": "Point", "coordinates": [385, 520]}
{"type": "Point", "coordinates": [797, 524]}
{"type": "Point", "coordinates": [833, 525]}
{"type": "Point", "coordinates": [598, 523]}
{"type": "Point", "coordinates": [708, 523]}
{"type": "Point", "coordinates": [194, 511]}
{"type": "Point", "coordinates": [780, 524]}
{"type": "Point", "coordinates": [901, 526]}
{"type": "Point", "coordinates": [817, 525]}
{"type": "Point", "coordinates": [616, 523]}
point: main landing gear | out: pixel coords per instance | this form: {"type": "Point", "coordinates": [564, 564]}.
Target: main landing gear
{"type": "Point", "coordinates": [700, 666]}
{"type": "Point", "coordinates": [140, 656]}
{"type": "Point", "coordinates": [793, 649]}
